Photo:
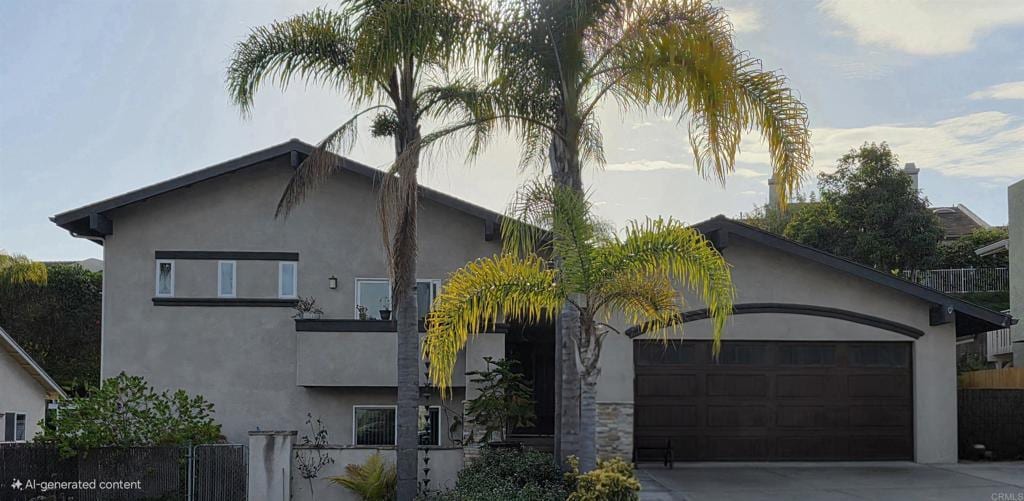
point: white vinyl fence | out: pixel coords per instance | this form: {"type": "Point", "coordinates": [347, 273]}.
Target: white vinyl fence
{"type": "Point", "coordinates": [963, 280]}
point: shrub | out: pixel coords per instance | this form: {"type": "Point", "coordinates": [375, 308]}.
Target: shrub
{"type": "Point", "coordinates": [612, 480]}
{"type": "Point", "coordinates": [514, 475]}
{"type": "Point", "coordinates": [374, 480]}
{"type": "Point", "coordinates": [126, 412]}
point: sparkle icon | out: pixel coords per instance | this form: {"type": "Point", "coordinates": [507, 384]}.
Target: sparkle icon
{"type": "Point", "coordinates": [16, 485]}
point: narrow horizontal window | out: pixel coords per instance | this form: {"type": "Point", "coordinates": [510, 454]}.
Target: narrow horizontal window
{"type": "Point", "coordinates": [287, 279]}
{"type": "Point", "coordinates": [226, 279]}
{"type": "Point", "coordinates": [165, 278]}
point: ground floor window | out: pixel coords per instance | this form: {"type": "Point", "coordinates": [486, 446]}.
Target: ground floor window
{"type": "Point", "coordinates": [376, 425]}
{"type": "Point", "coordinates": [14, 427]}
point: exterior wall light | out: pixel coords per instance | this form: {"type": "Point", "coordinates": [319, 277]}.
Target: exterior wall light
{"type": "Point", "coordinates": [332, 282]}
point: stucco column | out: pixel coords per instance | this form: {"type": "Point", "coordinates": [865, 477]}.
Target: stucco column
{"type": "Point", "coordinates": [935, 422]}
{"type": "Point", "coordinates": [270, 465]}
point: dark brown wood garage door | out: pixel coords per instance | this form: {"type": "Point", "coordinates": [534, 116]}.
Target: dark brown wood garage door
{"type": "Point", "coordinates": [773, 401]}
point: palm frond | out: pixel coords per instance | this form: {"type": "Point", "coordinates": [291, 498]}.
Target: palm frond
{"type": "Point", "coordinates": [647, 299]}
{"type": "Point", "coordinates": [16, 269]}
{"type": "Point", "coordinates": [667, 248]}
{"type": "Point", "coordinates": [474, 296]}
{"type": "Point", "coordinates": [316, 46]}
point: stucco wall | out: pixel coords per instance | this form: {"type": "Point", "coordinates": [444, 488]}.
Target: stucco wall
{"type": "Point", "coordinates": [243, 359]}
{"type": "Point", "coordinates": [1016, 223]}
{"type": "Point", "coordinates": [19, 392]}
{"type": "Point", "coordinates": [761, 274]}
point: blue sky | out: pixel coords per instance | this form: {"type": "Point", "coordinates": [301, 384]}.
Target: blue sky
{"type": "Point", "coordinates": [102, 97]}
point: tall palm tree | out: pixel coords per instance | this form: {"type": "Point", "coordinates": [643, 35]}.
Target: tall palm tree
{"type": "Point", "coordinates": [552, 64]}
{"type": "Point", "coordinates": [385, 55]}
{"type": "Point", "coordinates": [601, 275]}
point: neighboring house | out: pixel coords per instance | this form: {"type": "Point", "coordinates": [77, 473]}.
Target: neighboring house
{"type": "Point", "coordinates": [825, 359]}
{"type": "Point", "coordinates": [25, 392]}
{"type": "Point", "coordinates": [1016, 249]}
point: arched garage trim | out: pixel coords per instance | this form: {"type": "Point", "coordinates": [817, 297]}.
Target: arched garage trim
{"type": "Point", "coordinates": [797, 309]}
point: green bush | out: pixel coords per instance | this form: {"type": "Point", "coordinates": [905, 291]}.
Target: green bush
{"type": "Point", "coordinates": [374, 480]}
{"type": "Point", "coordinates": [514, 475]}
{"type": "Point", "coordinates": [612, 480]}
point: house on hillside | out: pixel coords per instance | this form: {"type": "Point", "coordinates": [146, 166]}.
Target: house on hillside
{"type": "Point", "coordinates": [26, 392]}
{"type": "Point", "coordinates": [825, 359]}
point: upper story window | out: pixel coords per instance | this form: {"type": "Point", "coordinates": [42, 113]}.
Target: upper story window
{"type": "Point", "coordinates": [226, 279]}
{"type": "Point", "coordinates": [287, 279]}
{"type": "Point", "coordinates": [375, 295]}
{"type": "Point", "coordinates": [164, 278]}
{"type": "Point", "coordinates": [14, 427]}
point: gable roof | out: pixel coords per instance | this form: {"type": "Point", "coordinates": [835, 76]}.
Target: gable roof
{"type": "Point", "coordinates": [970, 318]}
{"type": "Point", "coordinates": [958, 221]}
{"type": "Point", "coordinates": [9, 345]}
{"type": "Point", "coordinates": [91, 220]}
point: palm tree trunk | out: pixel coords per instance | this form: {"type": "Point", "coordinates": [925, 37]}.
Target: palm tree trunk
{"type": "Point", "coordinates": [589, 347]}
{"type": "Point", "coordinates": [565, 172]}
{"type": "Point", "coordinates": [407, 318]}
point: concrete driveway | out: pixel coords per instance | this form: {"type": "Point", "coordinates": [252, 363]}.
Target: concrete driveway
{"type": "Point", "coordinates": [833, 481]}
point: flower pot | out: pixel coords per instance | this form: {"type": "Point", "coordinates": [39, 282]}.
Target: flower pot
{"type": "Point", "coordinates": [385, 314]}
{"type": "Point", "coordinates": [310, 315]}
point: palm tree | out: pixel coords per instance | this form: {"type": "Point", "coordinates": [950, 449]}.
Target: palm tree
{"type": "Point", "coordinates": [601, 275]}
{"type": "Point", "coordinates": [384, 54]}
{"type": "Point", "coordinates": [553, 63]}
{"type": "Point", "coordinates": [16, 269]}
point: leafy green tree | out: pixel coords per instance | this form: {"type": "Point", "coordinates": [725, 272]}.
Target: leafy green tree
{"type": "Point", "coordinates": [960, 253]}
{"type": "Point", "coordinates": [505, 400]}
{"type": "Point", "coordinates": [16, 269]}
{"type": "Point", "coordinates": [870, 213]}
{"type": "Point", "coordinates": [58, 323]}
{"type": "Point", "coordinates": [775, 219]}
{"type": "Point", "coordinates": [390, 59]}
{"type": "Point", "coordinates": [602, 275]}
{"type": "Point", "coordinates": [126, 412]}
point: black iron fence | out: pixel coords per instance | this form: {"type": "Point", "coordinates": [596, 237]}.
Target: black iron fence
{"type": "Point", "coordinates": [168, 473]}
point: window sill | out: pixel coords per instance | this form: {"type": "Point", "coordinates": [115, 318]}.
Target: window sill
{"type": "Point", "coordinates": [223, 301]}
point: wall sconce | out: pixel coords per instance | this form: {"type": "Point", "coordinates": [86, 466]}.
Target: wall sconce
{"type": "Point", "coordinates": [332, 282]}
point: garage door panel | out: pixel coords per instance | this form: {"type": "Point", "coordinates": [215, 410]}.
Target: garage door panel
{"type": "Point", "coordinates": [737, 385]}
{"type": "Point", "coordinates": [738, 416]}
{"type": "Point", "coordinates": [777, 401]}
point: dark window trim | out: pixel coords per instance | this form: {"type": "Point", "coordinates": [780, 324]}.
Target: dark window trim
{"type": "Point", "coordinates": [223, 301]}
{"type": "Point", "coordinates": [798, 309]}
{"type": "Point", "coordinates": [229, 255]}
{"type": "Point", "coordinates": [355, 325]}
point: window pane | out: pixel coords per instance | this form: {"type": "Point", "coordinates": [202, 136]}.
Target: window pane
{"type": "Point", "coordinates": [879, 355]}
{"type": "Point", "coordinates": [166, 271]}
{"type": "Point", "coordinates": [429, 426]}
{"type": "Point", "coordinates": [374, 295]}
{"type": "Point", "coordinates": [742, 353]}
{"type": "Point", "coordinates": [287, 280]}
{"type": "Point", "coordinates": [375, 426]}
{"type": "Point", "coordinates": [661, 353]}
{"type": "Point", "coordinates": [807, 355]}
{"type": "Point", "coordinates": [424, 297]}
{"type": "Point", "coordinates": [227, 279]}
{"type": "Point", "coordinates": [19, 428]}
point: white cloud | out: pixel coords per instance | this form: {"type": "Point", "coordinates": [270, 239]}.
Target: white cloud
{"type": "Point", "coordinates": [978, 145]}
{"type": "Point", "coordinates": [745, 19]}
{"type": "Point", "coordinates": [1008, 90]}
{"type": "Point", "coordinates": [646, 165]}
{"type": "Point", "coordinates": [923, 27]}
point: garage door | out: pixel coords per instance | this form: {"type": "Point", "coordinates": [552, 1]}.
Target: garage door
{"type": "Point", "coordinates": [773, 401]}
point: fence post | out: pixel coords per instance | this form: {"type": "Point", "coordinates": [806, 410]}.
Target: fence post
{"type": "Point", "coordinates": [270, 465]}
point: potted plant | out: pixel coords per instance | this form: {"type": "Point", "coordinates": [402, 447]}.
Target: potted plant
{"type": "Point", "coordinates": [362, 311]}
{"type": "Point", "coordinates": [385, 308]}
{"type": "Point", "coordinates": [505, 402]}
{"type": "Point", "coordinates": [306, 308]}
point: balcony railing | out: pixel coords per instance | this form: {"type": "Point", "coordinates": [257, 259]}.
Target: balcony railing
{"type": "Point", "coordinates": [997, 343]}
{"type": "Point", "coordinates": [963, 280]}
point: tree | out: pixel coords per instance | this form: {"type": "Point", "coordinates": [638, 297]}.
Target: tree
{"type": "Point", "coordinates": [960, 253]}
{"type": "Point", "coordinates": [384, 55]}
{"type": "Point", "coordinates": [125, 411]}
{"type": "Point", "coordinates": [870, 213]}
{"type": "Point", "coordinates": [505, 400]}
{"type": "Point", "coordinates": [601, 275]}
{"type": "Point", "coordinates": [775, 219]}
{"type": "Point", "coordinates": [58, 323]}
{"type": "Point", "coordinates": [555, 63]}
{"type": "Point", "coordinates": [16, 269]}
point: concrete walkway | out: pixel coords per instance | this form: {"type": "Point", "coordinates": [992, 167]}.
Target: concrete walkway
{"type": "Point", "coordinates": [833, 481]}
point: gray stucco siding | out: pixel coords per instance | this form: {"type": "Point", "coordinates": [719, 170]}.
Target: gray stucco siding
{"type": "Point", "coordinates": [1016, 249]}
{"type": "Point", "coordinates": [244, 359]}
{"type": "Point", "coordinates": [20, 393]}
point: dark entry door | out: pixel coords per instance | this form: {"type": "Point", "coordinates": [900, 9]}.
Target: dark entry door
{"type": "Point", "coordinates": [773, 401]}
{"type": "Point", "coordinates": [533, 346]}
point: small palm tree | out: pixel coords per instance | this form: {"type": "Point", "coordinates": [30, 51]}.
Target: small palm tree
{"type": "Point", "coordinates": [16, 269]}
{"type": "Point", "coordinates": [390, 57]}
{"type": "Point", "coordinates": [372, 481]}
{"type": "Point", "coordinates": [601, 275]}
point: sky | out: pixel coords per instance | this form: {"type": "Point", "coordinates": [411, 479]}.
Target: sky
{"type": "Point", "coordinates": [101, 97]}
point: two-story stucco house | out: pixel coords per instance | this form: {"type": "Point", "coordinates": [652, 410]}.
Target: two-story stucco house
{"type": "Point", "coordinates": [824, 359]}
